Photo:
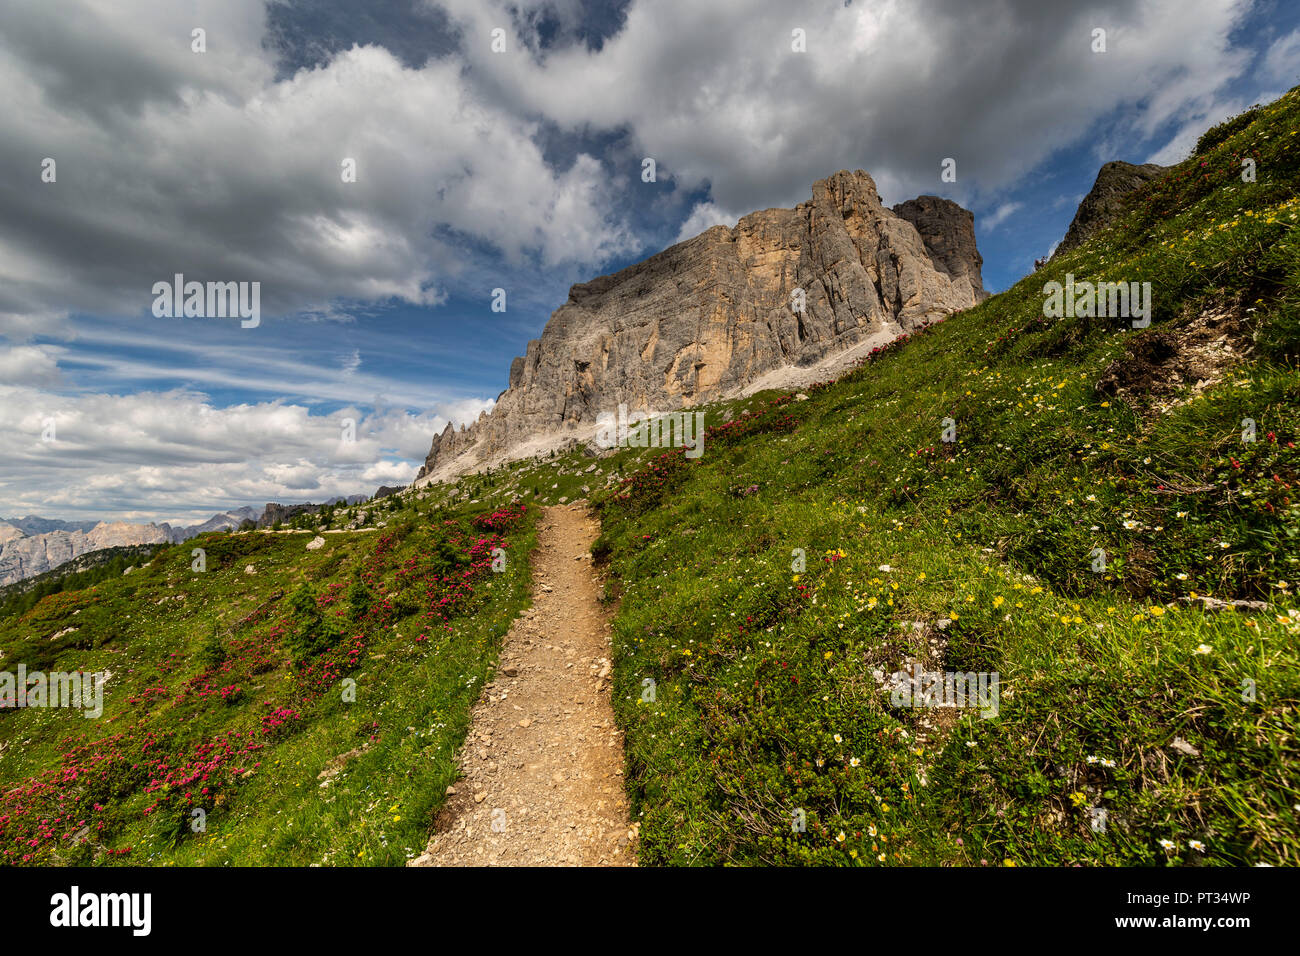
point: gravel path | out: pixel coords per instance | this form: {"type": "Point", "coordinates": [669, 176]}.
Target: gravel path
{"type": "Point", "coordinates": [542, 765]}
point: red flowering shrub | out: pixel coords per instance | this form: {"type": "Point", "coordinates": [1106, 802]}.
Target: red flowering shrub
{"type": "Point", "coordinates": [161, 767]}
{"type": "Point", "coordinates": [501, 520]}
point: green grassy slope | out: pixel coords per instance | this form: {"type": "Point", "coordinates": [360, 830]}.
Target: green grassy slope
{"type": "Point", "coordinates": [229, 694]}
{"type": "Point", "coordinates": [1120, 691]}
{"type": "Point", "coordinates": [81, 572]}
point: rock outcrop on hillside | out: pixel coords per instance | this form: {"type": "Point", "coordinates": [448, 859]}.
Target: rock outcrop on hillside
{"type": "Point", "coordinates": [275, 512]}
{"type": "Point", "coordinates": [705, 317]}
{"type": "Point", "coordinates": [1105, 201]}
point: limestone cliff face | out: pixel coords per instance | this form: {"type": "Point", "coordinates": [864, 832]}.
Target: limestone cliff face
{"type": "Point", "coordinates": [22, 556]}
{"type": "Point", "coordinates": [711, 314]}
{"type": "Point", "coordinates": [948, 232]}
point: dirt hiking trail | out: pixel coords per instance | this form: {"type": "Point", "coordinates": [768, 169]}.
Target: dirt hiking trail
{"type": "Point", "coordinates": [542, 764]}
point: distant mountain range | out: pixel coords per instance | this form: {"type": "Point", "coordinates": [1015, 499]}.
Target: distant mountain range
{"type": "Point", "coordinates": [34, 545]}
{"type": "Point", "coordinates": [34, 525]}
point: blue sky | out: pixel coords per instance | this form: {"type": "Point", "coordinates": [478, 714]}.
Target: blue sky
{"type": "Point", "coordinates": [480, 170]}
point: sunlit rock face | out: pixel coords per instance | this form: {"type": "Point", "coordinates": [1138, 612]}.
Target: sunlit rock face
{"type": "Point", "coordinates": [707, 316]}
{"type": "Point", "coordinates": [23, 556]}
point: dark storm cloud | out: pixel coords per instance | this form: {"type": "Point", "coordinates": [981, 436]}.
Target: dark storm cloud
{"type": "Point", "coordinates": [715, 93]}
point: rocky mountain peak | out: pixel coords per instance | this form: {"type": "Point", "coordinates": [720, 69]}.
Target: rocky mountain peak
{"type": "Point", "coordinates": [782, 289]}
{"type": "Point", "coordinates": [1105, 201]}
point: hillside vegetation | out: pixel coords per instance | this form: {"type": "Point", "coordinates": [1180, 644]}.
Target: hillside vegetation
{"type": "Point", "coordinates": [269, 704]}
{"type": "Point", "coordinates": [81, 572]}
{"type": "Point", "coordinates": [1168, 453]}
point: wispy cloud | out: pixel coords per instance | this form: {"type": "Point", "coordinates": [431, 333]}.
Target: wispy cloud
{"type": "Point", "coordinates": [1001, 214]}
